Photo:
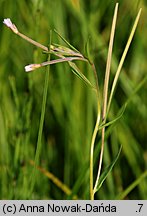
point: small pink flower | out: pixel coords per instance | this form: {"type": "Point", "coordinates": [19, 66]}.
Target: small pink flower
{"type": "Point", "coordinates": [10, 25]}
{"type": "Point", "coordinates": [32, 67]}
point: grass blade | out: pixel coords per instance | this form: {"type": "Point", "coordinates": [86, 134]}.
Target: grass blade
{"type": "Point", "coordinates": [79, 74]}
{"type": "Point", "coordinates": [132, 186]}
{"type": "Point", "coordinates": [72, 47]}
{"type": "Point", "coordinates": [123, 58]}
{"type": "Point", "coordinates": [105, 92]}
{"type": "Point", "coordinates": [55, 180]}
{"type": "Point", "coordinates": [39, 143]}
{"type": "Point", "coordinates": [107, 171]}
{"type": "Point", "coordinates": [121, 112]}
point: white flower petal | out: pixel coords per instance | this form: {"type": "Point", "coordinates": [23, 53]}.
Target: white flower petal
{"type": "Point", "coordinates": [10, 25]}
{"type": "Point", "coordinates": [31, 67]}
{"type": "Point", "coordinates": [8, 22]}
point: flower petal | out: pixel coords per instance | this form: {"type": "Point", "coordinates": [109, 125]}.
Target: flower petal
{"type": "Point", "coordinates": [32, 67]}
{"type": "Point", "coordinates": [10, 25]}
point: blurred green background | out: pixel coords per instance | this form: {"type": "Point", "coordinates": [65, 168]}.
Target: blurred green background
{"type": "Point", "coordinates": [71, 107]}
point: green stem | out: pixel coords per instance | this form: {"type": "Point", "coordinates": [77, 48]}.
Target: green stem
{"type": "Point", "coordinates": [105, 93]}
{"type": "Point", "coordinates": [39, 144]}
{"type": "Point", "coordinates": [91, 153]}
{"type": "Point", "coordinates": [123, 59]}
{"type": "Point", "coordinates": [96, 128]}
{"type": "Point", "coordinates": [131, 186]}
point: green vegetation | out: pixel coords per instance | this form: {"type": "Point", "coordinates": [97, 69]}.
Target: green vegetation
{"type": "Point", "coordinates": [49, 145]}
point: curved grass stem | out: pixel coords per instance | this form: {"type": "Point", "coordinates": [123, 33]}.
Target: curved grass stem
{"type": "Point", "coordinates": [105, 96]}
{"type": "Point", "coordinates": [39, 143]}
{"type": "Point", "coordinates": [96, 128]}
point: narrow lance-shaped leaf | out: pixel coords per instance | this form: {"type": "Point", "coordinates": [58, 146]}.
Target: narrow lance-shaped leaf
{"type": "Point", "coordinates": [72, 47]}
{"type": "Point", "coordinates": [79, 74]}
{"type": "Point", "coordinates": [116, 119]}
{"type": "Point", "coordinates": [107, 171]}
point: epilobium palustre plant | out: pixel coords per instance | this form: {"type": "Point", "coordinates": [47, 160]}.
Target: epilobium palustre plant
{"type": "Point", "coordinates": [69, 54]}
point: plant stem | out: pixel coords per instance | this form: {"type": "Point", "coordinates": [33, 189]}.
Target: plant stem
{"type": "Point", "coordinates": [39, 144]}
{"type": "Point", "coordinates": [32, 41]}
{"type": "Point", "coordinates": [94, 132]}
{"type": "Point", "coordinates": [123, 58]}
{"type": "Point", "coordinates": [105, 93]}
